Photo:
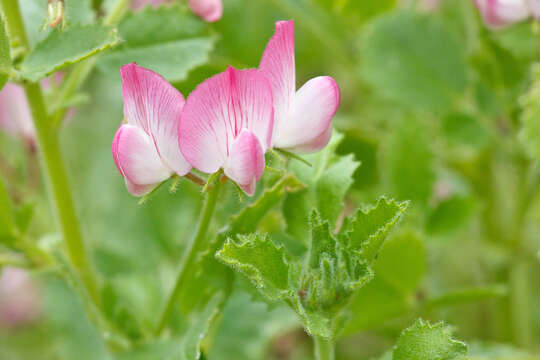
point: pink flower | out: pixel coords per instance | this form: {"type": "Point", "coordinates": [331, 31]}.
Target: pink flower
{"type": "Point", "coordinates": [498, 13]}
{"type": "Point", "coordinates": [19, 301]}
{"type": "Point", "coordinates": [145, 150]}
{"type": "Point", "coordinates": [227, 123]}
{"type": "Point", "coordinates": [209, 10]}
{"type": "Point", "coordinates": [303, 118]}
{"type": "Point", "coordinates": [15, 116]}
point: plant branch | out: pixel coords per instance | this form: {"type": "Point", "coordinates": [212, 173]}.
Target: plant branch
{"type": "Point", "coordinates": [324, 348]}
{"type": "Point", "coordinates": [194, 249]}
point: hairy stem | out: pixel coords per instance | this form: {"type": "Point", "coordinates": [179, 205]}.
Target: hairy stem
{"type": "Point", "coordinates": [324, 348]}
{"type": "Point", "coordinates": [53, 164]}
{"type": "Point", "coordinates": [195, 248]}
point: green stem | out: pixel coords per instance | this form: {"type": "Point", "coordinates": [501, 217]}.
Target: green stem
{"type": "Point", "coordinates": [324, 348]}
{"type": "Point", "coordinates": [52, 163]}
{"type": "Point", "coordinates": [15, 25]}
{"type": "Point", "coordinates": [194, 249]}
{"type": "Point", "coordinates": [59, 190]}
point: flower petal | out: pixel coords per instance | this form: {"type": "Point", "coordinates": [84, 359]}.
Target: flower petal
{"type": "Point", "coordinates": [309, 127]}
{"type": "Point", "coordinates": [497, 13]}
{"type": "Point", "coordinates": [278, 65]}
{"type": "Point", "coordinates": [154, 105]}
{"type": "Point", "coordinates": [245, 164]}
{"type": "Point", "coordinates": [15, 116]}
{"type": "Point", "coordinates": [137, 159]}
{"type": "Point", "coordinates": [218, 110]}
{"type": "Point", "coordinates": [209, 10]}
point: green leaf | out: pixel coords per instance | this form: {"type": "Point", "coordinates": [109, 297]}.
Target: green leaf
{"type": "Point", "coordinates": [479, 351]}
{"type": "Point", "coordinates": [462, 129]}
{"type": "Point", "coordinates": [450, 214]}
{"type": "Point", "coordinates": [464, 296]}
{"type": "Point", "coordinates": [5, 56]}
{"type": "Point", "coordinates": [168, 40]}
{"type": "Point", "coordinates": [530, 118]}
{"type": "Point", "coordinates": [368, 229]}
{"type": "Point", "coordinates": [398, 61]}
{"type": "Point", "coordinates": [322, 241]}
{"type": "Point", "coordinates": [62, 48]}
{"type": "Point", "coordinates": [408, 161]}
{"type": "Point", "coordinates": [327, 182]}
{"type": "Point", "coordinates": [423, 341]}
{"type": "Point", "coordinates": [264, 263]}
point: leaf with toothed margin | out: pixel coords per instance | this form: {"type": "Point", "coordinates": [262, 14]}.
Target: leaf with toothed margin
{"type": "Point", "coordinates": [264, 263]}
{"type": "Point", "coordinates": [367, 229]}
{"type": "Point", "coordinates": [423, 341]}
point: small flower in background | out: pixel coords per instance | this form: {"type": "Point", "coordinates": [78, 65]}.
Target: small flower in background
{"type": "Point", "coordinates": [15, 116]}
{"type": "Point", "coordinates": [498, 13]}
{"type": "Point", "coordinates": [145, 150]}
{"type": "Point", "coordinates": [19, 300]}
{"type": "Point", "coordinates": [302, 118]}
{"type": "Point", "coordinates": [209, 10]}
{"type": "Point", "coordinates": [227, 123]}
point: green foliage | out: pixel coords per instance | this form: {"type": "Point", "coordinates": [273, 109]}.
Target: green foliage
{"type": "Point", "coordinates": [7, 221]}
{"type": "Point", "coordinates": [398, 61]}
{"type": "Point", "coordinates": [326, 182]}
{"type": "Point", "coordinates": [423, 341]}
{"type": "Point", "coordinates": [320, 286]}
{"type": "Point", "coordinates": [408, 164]}
{"type": "Point", "coordinates": [530, 132]}
{"type": "Point", "coordinates": [399, 269]}
{"type": "Point", "coordinates": [5, 57]}
{"type": "Point", "coordinates": [62, 48]}
{"type": "Point", "coordinates": [168, 40]}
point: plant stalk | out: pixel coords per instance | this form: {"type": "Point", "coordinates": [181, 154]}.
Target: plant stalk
{"type": "Point", "coordinates": [52, 164]}
{"type": "Point", "coordinates": [194, 249]}
{"type": "Point", "coordinates": [324, 348]}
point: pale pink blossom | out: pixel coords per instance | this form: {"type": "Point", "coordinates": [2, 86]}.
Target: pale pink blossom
{"type": "Point", "coordinates": [15, 116]}
{"type": "Point", "coordinates": [208, 10]}
{"type": "Point", "coordinates": [227, 123]}
{"type": "Point", "coordinates": [303, 118]}
{"type": "Point", "coordinates": [19, 300]}
{"type": "Point", "coordinates": [498, 13]}
{"type": "Point", "coordinates": [145, 150]}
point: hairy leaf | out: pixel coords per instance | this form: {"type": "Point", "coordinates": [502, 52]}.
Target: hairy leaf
{"type": "Point", "coordinates": [264, 263]}
{"type": "Point", "coordinates": [423, 341]}
{"type": "Point", "coordinates": [62, 48]}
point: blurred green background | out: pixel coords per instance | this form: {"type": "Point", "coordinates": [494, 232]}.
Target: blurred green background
{"type": "Point", "coordinates": [433, 106]}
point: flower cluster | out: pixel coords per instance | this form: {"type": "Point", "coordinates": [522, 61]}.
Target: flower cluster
{"type": "Point", "coordinates": [498, 13]}
{"type": "Point", "coordinates": [228, 122]}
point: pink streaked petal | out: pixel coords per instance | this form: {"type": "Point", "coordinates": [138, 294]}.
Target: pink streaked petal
{"type": "Point", "coordinates": [209, 10]}
{"type": "Point", "coordinates": [278, 65]}
{"type": "Point", "coordinates": [218, 110]}
{"type": "Point", "coordinates": [136, 157]}
{"type": "Point", "coordinates": [245, 164]}
{"type": "Point", "coordinates": [308, 128]}
{"type": "Point", "coordinates": [139, 190]}
{"type": "Point", "coordinates": [498, 13]}
{"type": "Point", "coordinates": [154, 105]}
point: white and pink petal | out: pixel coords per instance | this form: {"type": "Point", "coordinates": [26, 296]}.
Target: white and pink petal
{"type": "Point", "coordinates": [218, 110]}
{"type": "Point", "coordinates": [278, 65]}
{"type": "Point", "coordinates": [309, 125]}
{"type": "Point", "coordinates": [245, 164]}
{"type": "Point", "coordinates": [209, 10]}
{"type": "Point", "coordinates": [137, 159]}
{"type": "Point", "coordinates": [154, 105]}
